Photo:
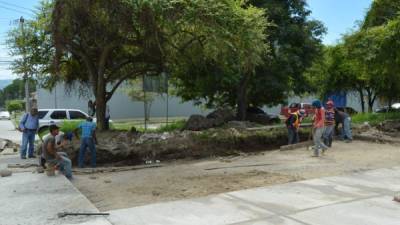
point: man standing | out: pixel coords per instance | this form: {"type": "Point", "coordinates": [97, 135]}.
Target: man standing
{"type": "Point", "coordinates": [28, 126]}
{"type": "Point", "coordinates": [52, 157]}
{"type": "Point", "coordinates": [318, 125]}
{"type": "Point", "coordinates": [329, 123]}
{"type": "Point", "coordinates": [344, 119]}
{"type": "Point", "coordinates": [293, 125]}
{"type": "Point", "coordinates": [88, 140]}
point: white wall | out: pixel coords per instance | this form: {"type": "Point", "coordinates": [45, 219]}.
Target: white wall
{"type": "Point", "coordinates": [121, 106]}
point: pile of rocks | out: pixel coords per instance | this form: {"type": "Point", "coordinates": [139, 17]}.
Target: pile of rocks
{"type": "Point", "coordinates": [214, 119]}
{"type": "Point", "coordinates": [389, 126]}
{"type": "Point", "coordinates": [8, 147]}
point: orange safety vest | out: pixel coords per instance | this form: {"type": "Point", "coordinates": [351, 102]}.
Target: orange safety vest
{"type": "Point", "coordinates": [297, 121]}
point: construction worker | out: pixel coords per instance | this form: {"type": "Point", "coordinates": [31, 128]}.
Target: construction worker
{"type": "Point", "coordinates": [51, 155]}
{"type": "Point", "coordinates": [329, 123]}
{"type": "Point", "coordinates": [344, 119]}
{"type": "Point", "coordinates": [293, 125]}
{"type": "Point", "coordinates": [88, 140]}
{"type": "Point", "coordinates": [318, 126]}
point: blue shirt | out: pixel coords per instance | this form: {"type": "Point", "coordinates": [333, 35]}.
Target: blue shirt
{"type": "Point", "coordinates": [29, 122]}
{"type": "Point", "coordinates": [87, 129]}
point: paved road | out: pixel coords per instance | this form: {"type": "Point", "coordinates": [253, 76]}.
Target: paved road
{"type": "Point", "coordinates": [358, 199]}
{"type": "Point", "coordinates": [7, 131]}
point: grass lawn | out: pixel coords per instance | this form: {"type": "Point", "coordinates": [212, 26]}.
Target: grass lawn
{"type": "Point", "coordinates": [374, 118]}
{"type": "Point", "coordinates": [155, 124]}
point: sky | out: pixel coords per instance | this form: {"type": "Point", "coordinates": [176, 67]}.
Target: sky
{"type": "Point", "coordinates": [339, 16]}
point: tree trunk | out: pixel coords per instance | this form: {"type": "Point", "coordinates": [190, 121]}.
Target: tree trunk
{"type": "Point", "coordinates": [371, 100]}
{"type": "Point", "coordinates": [101, 102]}
{"type": "Point", "coordinates": [362, 102]}
{"type": "Point", "coordinates": [242, 98]}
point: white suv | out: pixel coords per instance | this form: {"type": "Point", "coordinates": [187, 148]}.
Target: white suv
{"type": "Point", "coordinates": [57, 116]}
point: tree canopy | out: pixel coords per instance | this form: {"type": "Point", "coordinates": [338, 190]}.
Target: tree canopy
{"type": "Point", "coordinates": [366, 60]}
{"type": "Point", "coordinates": [101, 44]}
{"type": "Point", "coordinates": [294, 42]}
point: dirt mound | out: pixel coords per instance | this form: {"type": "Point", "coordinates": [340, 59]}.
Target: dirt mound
{"type": "Point", "coordinates": [125, 148]}
{"type": "Point", "coordinates": [389, 126]}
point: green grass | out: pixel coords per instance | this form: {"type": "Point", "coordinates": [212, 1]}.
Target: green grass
{"type": "Point", "coordinates": [175, 123]}
{"type": "Point", "coordinates": [374, 118]}
{"type": "Point", "coordinates": [65, 127]}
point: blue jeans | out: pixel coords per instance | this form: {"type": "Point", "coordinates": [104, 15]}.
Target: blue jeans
{"type": "Point", "coordinates": [317, 138]}
{"type": "Point", "coordinates": [328, 135]}
{"type": "Point", "coordinates": [64, 164]}
{"type": "Point", "coordinates": [346, 130]}
{"type": "Point", "coordinates": [28, 137]}
{"type": "Point", "coordinates": [87, 142]}
{"type": "Point", "coordinates": [293, 136]}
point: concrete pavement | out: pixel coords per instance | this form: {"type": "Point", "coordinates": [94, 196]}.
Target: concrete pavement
{"type": "Point", "coordinates": [35, 199]}
{"type": "Point", "coordinates": [358, 199]}
{"type": "Point", "coordinates": [7, 131]}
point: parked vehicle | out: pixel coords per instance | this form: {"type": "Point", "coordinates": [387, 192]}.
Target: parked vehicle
{"type": "Point", "coordinates": [305, 107]}
{"type": "Point", "coordinates": [395, 108]}
{"type": "Point", "coordinates": [348, 110]}
{"type": "Point", "coordinates": [57, 116]}
{"type": "Point", "coordinates": [258, 115]}
{"type": "Point", "coordinates": [4, 115]}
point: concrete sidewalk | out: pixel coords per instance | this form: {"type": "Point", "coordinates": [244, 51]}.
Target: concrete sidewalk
{"type": "Point", "coordinates": [7, 131]}
{"type": "Point", "coordinates": [359, 199]}
{"type": "Point", "coordinates": [35, 199]}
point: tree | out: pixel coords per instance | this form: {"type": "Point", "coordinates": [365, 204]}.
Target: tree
{"type": "Point", "coordinates": [112, 41]}
{"type": "Point", "coordinates": [32, 47]}
{"type": "Point", "coordinates": [15, 90]}
{"type": "Point", "coordinates": [336, 71]}
{"type": "Point", "coordinates": [380, 13]}
{"type": "Point", "coordinates": [387, 60]}
{"type": "Point", "coordinates": [224, 78]}
{"type": "Point", "coordinates": [294, 41]}
{"type": "Point", "coordinates": [15, 105]}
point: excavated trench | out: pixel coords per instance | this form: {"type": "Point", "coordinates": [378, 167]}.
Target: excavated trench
{"type": "Point", "coordinates": [125, 148]}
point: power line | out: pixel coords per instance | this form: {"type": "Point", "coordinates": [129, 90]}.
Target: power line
{"type": "Point", "coordinates": [14, 5]}
{"type": "Point", "coordinates": [16, 10]}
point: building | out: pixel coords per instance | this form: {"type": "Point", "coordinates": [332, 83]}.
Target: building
{"type": "Point", "coordinates": [121, 106]}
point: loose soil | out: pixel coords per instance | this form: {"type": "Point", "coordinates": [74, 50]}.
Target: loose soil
{"type": "Point", "coordinates": [195, 178]}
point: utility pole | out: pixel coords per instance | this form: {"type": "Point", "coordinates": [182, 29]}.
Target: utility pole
{"type": "Point", "coordinates": [26, 77]}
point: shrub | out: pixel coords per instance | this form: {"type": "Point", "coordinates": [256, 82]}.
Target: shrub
{"type": "Point", "coordinates": [15, 105]}
{"type": "Point", "coordinates": [66, 126]}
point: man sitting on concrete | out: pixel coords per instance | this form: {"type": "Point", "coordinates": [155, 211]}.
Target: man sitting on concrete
{"type": "Point", "coordinates": [88, 140]}
{"type": "Point", "coordinates": [53, 157]}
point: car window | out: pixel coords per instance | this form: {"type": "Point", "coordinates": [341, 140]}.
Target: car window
{"type": "Point", "coordinates": [59, 115]}
{"type": "Point", "coordinates": [74, 115]}
{"type": "Point", "coordinates": [293, 105]}
{"type": "Point", "coordinates": [41, 114]}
